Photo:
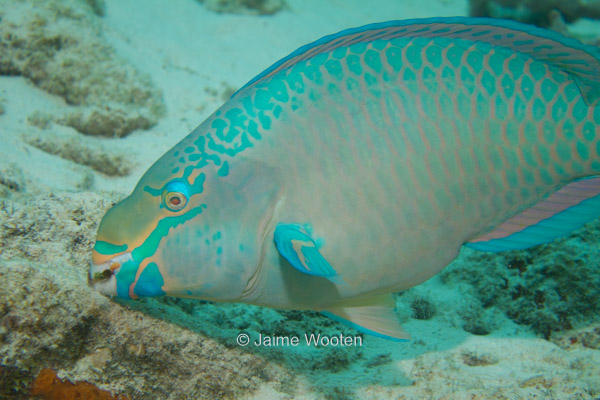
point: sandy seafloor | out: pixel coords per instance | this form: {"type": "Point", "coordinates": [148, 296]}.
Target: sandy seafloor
{"type": "Point", "coordinates": [519, 325]}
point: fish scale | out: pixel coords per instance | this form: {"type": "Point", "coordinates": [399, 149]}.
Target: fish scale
{"type": "Point", "coordinates": [360, 164]}
{"type": "Point", "coordinates": [419, 144]}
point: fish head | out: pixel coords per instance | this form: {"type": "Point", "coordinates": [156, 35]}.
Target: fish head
{"type": "Point", "coordinates": [197, 230]}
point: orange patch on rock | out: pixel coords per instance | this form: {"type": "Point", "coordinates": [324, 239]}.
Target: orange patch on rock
{"type": "Point", "coordinates": [49, 386]}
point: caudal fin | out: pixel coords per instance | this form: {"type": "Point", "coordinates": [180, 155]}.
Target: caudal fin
{"type": "Point", "coordinates": [561, 213]}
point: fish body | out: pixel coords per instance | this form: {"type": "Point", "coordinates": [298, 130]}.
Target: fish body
{"type": "Point", "coordinates": [360, 164]}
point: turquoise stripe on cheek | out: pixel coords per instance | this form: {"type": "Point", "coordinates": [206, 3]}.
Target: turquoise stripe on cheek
{"type": "Point", "coordinates": [148, 248]}
{"type": "Point", "coordinates": [125, 277]}
{"type": "Point", "coordinates": [109, 248]}
{"type": "Point", "coordinates": [150, 282]}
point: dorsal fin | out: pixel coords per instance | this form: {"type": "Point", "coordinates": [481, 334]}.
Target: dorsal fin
{"type": "Point", "coordinates": [579, 60]}
{"type": "Point", "coordinates": [562, 212]}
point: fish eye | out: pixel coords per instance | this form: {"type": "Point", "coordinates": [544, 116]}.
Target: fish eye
{"type": "Point", "coordinates": [174, 196]}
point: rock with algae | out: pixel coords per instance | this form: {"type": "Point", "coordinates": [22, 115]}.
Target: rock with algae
{"type": "Point", "coordinates": [12, 180]}
{"type": "Point", "coordinates": [169, 348]}
{"type": "Point", "coordinates": [551, 288]}
{"type": "Point", "coordinates": [252, 7]}
{"type": "Point", "coordinates": [552, 14]}
{"type": "Point", "coordinates": [58, 45]}
{"type": "Point", "coordinates": [163, 348]}
{"type": "Point", "coordinates": [536, 12]}
{"type": "Point", "coordinates": [50, 318]}
{"type": "Point", "coordinates": [49, 386]}
{"type": "Point", "coordinates": [82, 150]}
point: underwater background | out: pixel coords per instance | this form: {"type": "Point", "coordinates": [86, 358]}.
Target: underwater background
{"type": "Point", "coordinates": [92, 92]}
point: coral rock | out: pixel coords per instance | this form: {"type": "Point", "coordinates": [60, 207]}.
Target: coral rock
{"type": "Point", "coordinates": [50, 387]}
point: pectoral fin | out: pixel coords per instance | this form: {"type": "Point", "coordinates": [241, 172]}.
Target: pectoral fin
{"type": "Point", "coordinates": [374, 316]}
{"type": "Point", "coordinates": [295, 244]}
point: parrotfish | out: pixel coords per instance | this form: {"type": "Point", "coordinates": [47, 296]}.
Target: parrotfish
{"type": "Point", "coordinates": [360, 164]}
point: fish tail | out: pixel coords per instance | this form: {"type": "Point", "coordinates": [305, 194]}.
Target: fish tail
{"type": "Point", "coordinates": [571, 206]}
{"type": "Point", "coordinates": [589, 142]}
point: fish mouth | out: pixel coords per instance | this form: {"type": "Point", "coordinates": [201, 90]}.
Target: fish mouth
{"type": "Point", "coordinates": [103, 277]}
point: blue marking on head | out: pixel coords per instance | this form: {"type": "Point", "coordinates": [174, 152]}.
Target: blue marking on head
{"type": "Point", "coordinates": [264, 120]}
{"type": "Point", "coordinates": [150, 245]}
{"type": "Point", "coordinates": [253, 130]}
{"type": "Point", "coordinates": [219, 256]}
{"type": "Point", "coordinates": [152, 191]}
{"type": "Point", "coordinates": [106, 248]}
{"type": "Point", "coordinates": [201, 143]}
{"type": "Point", "coordinates": [198, 185]}
{"type": "Point", "coordinates": [262, 100]}
{"type": "Point", "coordinates": [178, 186]}
{"type": "Point", "coordinates": [224, 170]}
{"type": "Point", "coordinates": [125, 277]}
{"type": "Point", "coordinates": [150, 282]}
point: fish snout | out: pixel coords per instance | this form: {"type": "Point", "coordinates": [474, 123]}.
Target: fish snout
{"type": "Point", "coordinates": [102, 277]}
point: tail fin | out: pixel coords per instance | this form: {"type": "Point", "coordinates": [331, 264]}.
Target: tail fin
{"type": "Point", "coordinates": [561, 213]}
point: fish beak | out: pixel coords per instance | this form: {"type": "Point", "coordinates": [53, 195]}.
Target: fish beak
{"type": "Point", "coordinates": [103, 277]}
